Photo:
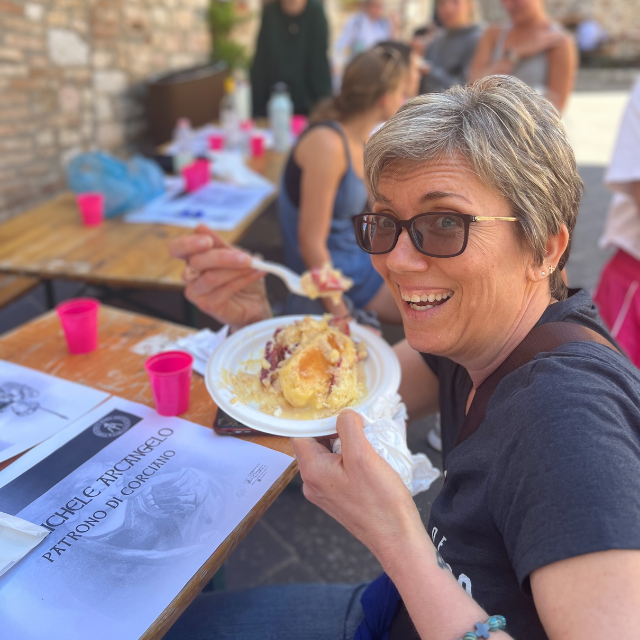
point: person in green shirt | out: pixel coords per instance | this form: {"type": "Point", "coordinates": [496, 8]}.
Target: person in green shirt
{"type": "Point", "coordinates": [292, 48]}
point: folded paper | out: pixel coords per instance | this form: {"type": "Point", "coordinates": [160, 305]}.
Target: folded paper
{"type": "Point", "coordinates": [17, 538]}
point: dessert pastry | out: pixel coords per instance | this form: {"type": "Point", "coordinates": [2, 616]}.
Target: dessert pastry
{"type": "Point", "coordinates": [325, 282]}
{"type": "Point", "coordinates": [313, 365]}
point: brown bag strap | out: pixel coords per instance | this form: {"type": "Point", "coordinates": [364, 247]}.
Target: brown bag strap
{"type": "Point", "coordinates": [542, 338]}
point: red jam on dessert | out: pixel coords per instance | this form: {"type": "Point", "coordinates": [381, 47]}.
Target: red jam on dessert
{"type": "Point", "coordinates": [325, 282]}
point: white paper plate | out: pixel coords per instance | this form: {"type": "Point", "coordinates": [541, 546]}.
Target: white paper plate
{"type": "Point", "coordinates": [381, 367]}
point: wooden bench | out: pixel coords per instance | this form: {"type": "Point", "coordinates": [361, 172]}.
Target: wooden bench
{"type": "Point", "coordinates": [12, 287]}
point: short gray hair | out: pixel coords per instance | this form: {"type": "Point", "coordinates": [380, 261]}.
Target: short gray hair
{"type": "Point", "coordinates": [511, 136]}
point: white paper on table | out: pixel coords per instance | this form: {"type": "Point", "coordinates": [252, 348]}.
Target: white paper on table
{"type": "Point", "coordinates": [218, 205]}
{"type": "Point", "coordinates": [17, 538]}
{"type": "Point", "coordinates": [35, 405]}
{"type": "Point", "coordinates": [174, 187]}
{"type": "Point", "coordinates": [138, 541]}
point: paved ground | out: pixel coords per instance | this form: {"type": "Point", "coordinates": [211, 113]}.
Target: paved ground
{"type": "Point", "coordinates": [295, 541]}
{"type": "Point", "coordinates": [605, 79]}
{"type": "Point", "coordinates": [592, 120]}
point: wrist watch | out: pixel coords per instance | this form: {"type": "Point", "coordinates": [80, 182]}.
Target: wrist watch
{"type": "Point", "coordinates": [512, 56]}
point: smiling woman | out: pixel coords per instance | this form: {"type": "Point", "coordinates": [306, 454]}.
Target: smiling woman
{"type": "Point", "coordinates": [483, 157]}
{"type": "Point", "coordinates": [517, 149]}
{"type": "Point", "coordinates": [474, 197]}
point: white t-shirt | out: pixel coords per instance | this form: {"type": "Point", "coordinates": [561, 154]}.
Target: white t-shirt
{"type": "Point", "coordinates": [622, 229]}
{"type": "Point", "coordinates": [359, 34]}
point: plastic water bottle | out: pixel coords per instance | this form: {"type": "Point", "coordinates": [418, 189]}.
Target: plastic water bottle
{"type": "Point", "coordinates": [229, 119]}
{"type": "Point", "coordinates": [183, 140]}
{"type": "Point", "coordinates": [280, 109]}
{"type": "Point", "coordinates": [246, 133]}
{"type": "Point", "coordinates": [243, 95]}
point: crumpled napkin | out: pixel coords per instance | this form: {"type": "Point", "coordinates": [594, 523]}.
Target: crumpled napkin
{"type": "Point", "coordinates": [385, 428]}
{"type": "Point", "coordinates": [201, 346]}
{"type": "Point", "coordinates": [200, 139]}
{"type": "Point", "coordinates": [17, 538]}
{"type": "Point", "coordinates": [230, 167]}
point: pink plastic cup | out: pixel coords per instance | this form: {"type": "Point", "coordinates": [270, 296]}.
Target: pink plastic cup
{"type": "Point", "coordinates": [79, 319]}
{"type": "Point", "coordinates": [170, 376]}
{"type": "Point", "coordinates": [216, 142]}
{"type": "Point", "coordinates": [196, 174]}
{"type": "Point", "coordinates": [91, 207]}
{"type": "Point", "coordinates": [298, 125]}
{"type": "Point", "coordinates": [257, 146]}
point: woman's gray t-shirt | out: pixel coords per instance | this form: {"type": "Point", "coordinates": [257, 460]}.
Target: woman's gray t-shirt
{"type": "Point", "coordinates": [450, 55]}
{"type": "Point", "coordinates": [552, 472]}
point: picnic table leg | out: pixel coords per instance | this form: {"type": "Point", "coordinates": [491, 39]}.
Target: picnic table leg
{"type": "Point", "coordinates": [190, 314]}
{"type": "Point", "coordinates": [49, 294]}
{"type": "Point", "coordinates": [217, 583]}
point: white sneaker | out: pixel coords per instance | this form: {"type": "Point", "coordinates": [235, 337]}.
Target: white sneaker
{"type": "Point", "coordinates": [434, 437]}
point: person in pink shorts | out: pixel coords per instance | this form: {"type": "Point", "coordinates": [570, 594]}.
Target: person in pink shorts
{"type": "Point", "coordinates": [617, 295]}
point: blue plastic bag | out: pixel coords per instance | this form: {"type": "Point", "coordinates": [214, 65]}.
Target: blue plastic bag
{"type": "Point", "coordinates": [125, 185]}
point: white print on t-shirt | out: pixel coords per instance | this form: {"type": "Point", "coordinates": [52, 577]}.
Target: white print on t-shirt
{"type": "Point", "coordinates": [463, 580]}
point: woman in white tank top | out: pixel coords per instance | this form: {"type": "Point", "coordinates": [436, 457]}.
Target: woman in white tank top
{"type": "Point", "coordinates": [530, 47]}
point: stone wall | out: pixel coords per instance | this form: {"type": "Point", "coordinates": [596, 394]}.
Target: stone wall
{"type": "Point", "coordinates": [71, 79]}
{"type": "Point", "coordinates": [620, 18]}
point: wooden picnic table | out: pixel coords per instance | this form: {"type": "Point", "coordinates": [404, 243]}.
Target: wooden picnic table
{"type": "Point", "coordinates": [12, 287]}
{"type": "Point", "coordinates": [49, 242]}
{"type": "Point", "coordinates": [116, 369]}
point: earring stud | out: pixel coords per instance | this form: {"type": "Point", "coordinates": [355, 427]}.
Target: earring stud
{"type": "Point", "coordinates": [543, 273]}
{"type": "Point", "coordinates": [551, 269]}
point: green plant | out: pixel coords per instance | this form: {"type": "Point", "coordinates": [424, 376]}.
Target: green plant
{"type": "Point", "coordinates": [223, 19]}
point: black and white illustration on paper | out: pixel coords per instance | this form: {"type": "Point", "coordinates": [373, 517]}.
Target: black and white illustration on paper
{"type": "Point", "coordinates": [35, 405]}
{"type": "Point", "coordinates": [22, 400]}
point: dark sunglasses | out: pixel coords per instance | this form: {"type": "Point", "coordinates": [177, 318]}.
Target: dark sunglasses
{"type": "Point", "coordinates": [440, 235]}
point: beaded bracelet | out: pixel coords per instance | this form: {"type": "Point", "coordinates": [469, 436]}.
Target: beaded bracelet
{"type": "Point", "coordinates": [494, 623]}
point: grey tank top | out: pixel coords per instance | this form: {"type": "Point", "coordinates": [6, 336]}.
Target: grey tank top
{"type": "Point", "coordinates": [533, 70]}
